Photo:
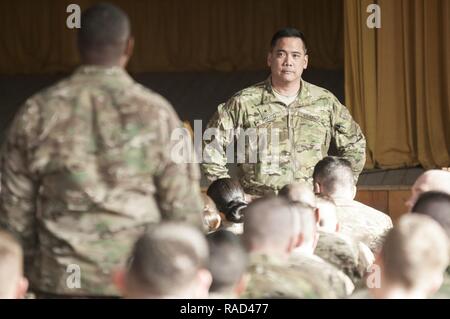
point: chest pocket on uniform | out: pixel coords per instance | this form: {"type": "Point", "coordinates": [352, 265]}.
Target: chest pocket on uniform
{"type": "Point", "coordinates": [310, 128]}
{"type": "Point", "coordinates": [311, 138]}
{"type": "Point", "coordinates": [271, 132]}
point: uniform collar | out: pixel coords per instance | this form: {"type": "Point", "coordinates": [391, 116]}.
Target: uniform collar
{"type": "Point", "coordinates": [269, 96]}
{"type": "Point", "coordinates": [260, 259]}
{"type": "Point", "coordinates": [103, 71]}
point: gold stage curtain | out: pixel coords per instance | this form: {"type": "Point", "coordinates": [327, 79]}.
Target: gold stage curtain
{"type": "Point", "coordinates": [173, 35]}
{"type": "Point", "coordinates": [397, 80]}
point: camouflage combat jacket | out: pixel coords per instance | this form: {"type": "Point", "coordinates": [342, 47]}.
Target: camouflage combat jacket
{"type": "Point", "coordinates": [290, 139]}
{"type": "Point", "coordinates": [85, 167]}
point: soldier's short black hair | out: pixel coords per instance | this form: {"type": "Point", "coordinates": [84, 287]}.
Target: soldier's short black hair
{"type": "Point", "coordinates": [435, 205]}
{"type": "Point", "coordinates": [229, 197]}
{"type": "Point", "coordinates": [288, 33]}
{"type": "Point", "coordinates": [333, 172]}
{"type": "Point", "coordinates": [104, 31]}
{"type": "Point", "coordinates": [228, 260]}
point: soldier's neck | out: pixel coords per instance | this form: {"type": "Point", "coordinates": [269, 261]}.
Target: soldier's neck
{"type": "Point", "coordinates": [104, 63]}
{"type": "Point", "coordinates": [342, 195]}
{"type": "Point", "coordinates": [286, 88]}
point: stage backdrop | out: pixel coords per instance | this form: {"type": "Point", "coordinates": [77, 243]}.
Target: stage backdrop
{"type": "Point", "coordinates": [397, 80]}
{"type": "Point", "coordinates": [173, 35]}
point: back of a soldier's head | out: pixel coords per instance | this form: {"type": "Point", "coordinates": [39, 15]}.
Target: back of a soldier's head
{"type": "Point", "coordinates": [328, 221]}
{"type": "Point", "coordinates": [432, 180]}
{"type": "Point", "coordinates": [12, 283]}
{"type": "Point", "coordinates": [169, 260]}
{"type": "Point", "coordinates": [334, 176]}
{"type": "Point", "coordinates": [229, 197]}
{"type": "Point", "coordinates": [104, 34]}
{"type": "Point", "coordinates": [298, 192]}
{"type": "Point", "coordinates": [415, 255]}
{"type": "Point", "coordinates": [435, 205]}
{"type": "Point", "coordinates": [268, 226]}
{"type": "Point", "coordinates": [227, 262]}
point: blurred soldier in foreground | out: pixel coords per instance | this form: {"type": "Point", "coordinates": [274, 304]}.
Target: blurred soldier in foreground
{"type": "Point", "coordinates": [169, 261]}
{"type": "Point", "coordinates": [437, 206]}
{"type": "Point", "coordinates": [412, 261]}
{"type": "Point", "coordinates": [228, 263]}
{"type": "Point", "coordinates": [86, 166]}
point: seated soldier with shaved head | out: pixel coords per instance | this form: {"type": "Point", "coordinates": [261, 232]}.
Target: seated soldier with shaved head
{"type": "Point", "coordinates": [304, 260]}
{"type": "Point", "coordinates": [270, 237]}
{"type": "Point", "coordinates": [228, 261]}
{"type": "Point", "coordinates": [333, 176]}
{"type": "Point", "coordinates": [432, 180]}
{"type": "Point", "coordinates": [437, 206]}
{"type": "Point", "coordinates": [169, 261]}
{"type": "Point", "coordinates": [346, 254]}
{"type": "Point", "coordinates": [412, 261]}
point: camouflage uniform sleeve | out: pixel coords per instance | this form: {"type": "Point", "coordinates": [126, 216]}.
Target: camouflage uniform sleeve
{"type": "Point", "coordinates": [218, 135]}
{"type": "Point", "coordinates": [18, 186]}
{"type": "Point", "coordinates": [350, 141]}
{"type": "Point", "coordinates": [177, 180]}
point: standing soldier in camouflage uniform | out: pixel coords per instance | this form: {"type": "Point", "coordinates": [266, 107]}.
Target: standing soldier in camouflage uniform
{"type": "Point", "coordinates": [86, 167]}
{"type": "Point", "coordinates": [304, 118]}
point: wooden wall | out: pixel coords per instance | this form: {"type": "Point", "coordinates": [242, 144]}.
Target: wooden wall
{"type": "Point", "coordinates": [391, 201]}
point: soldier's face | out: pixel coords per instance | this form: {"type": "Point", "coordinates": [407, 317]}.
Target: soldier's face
{"type": "Point", "coordinates": [420, 186]}
{"type": "Point", "coordinates": [287, 60]}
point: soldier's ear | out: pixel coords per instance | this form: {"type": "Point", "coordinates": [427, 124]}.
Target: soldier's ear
{"type": "Point", "coordinates": [22, 288]}
{"type": "Point", "coordinates": [297, 242]}
{"type": "Point", "coordinates": [129, 47]}
{"type": "Point", "coordinates": [317, 215]}
{"type": "Point", "coordinates": [317, 188]}
{"type": "Point", "coordinates": [127, 53]}
{"type": "Point", "coordinates": [204, 280]}
{"type": "Point", "coordinates": [242, 284]}
{"type": "Point", "coordinates": [119, 281]}
{"type": "Point", "coordinates": [269, 59]}
{"type": "Point", "coordinates": [354, 191]}
{"type": "Point", "coordinates": [305, 64]}
{"type": "Point", "coordinates": [435, 283]}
